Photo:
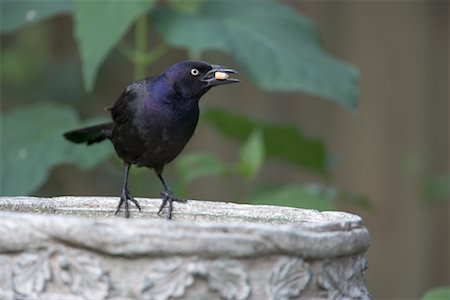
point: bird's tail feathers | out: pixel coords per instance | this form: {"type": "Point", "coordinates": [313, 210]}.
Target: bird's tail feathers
{"type": "Point", "coordinates": [90, 135]}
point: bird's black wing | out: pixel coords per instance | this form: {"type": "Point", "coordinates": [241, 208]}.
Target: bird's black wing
{"type": "Point", "coordinates": [120, 112]}
{"type": "Point", "coordinates": [123, 109]}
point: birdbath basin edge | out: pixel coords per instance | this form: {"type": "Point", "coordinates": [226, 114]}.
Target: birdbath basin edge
{"type": "Point", "coordinates": [76, 248]}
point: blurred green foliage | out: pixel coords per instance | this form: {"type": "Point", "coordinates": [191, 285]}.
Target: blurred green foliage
{"type": "Point", "coordinates": [440, 293]}
{"type": "Point", "coordinates": [436, 188]}
{"type": "Point", "coordinates": [307, 195]}
{"type": "Point", "coordinates": [282, 141]}
{"type": "Point", "coordinates": [99, 26]}
{"type": "Point", "coordinates": [252, 155]}
{"type": "Point", "coordinates": [29, 152]}
{"type": "Point", "coordinates": [432, 188]}
{"type": "Point", "coordinates": [16, 14]}
{"type": "Point", "coordinates": [276, 47]}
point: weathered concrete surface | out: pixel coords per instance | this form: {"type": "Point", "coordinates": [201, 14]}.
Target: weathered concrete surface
{"type": "Point", "coordinates": [76, 248]}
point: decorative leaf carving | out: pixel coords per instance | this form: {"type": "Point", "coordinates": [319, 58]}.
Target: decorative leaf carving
{"type": "Point", "coordinates": [84, 275]}
{"type": "Point", "coordinates": [288, 279]}
{"type": "Point", "coordinates": [166, 279]}
{"type": "Point", "coordinates": [344, 278]}
{"type": "Point", "coordinates": [31, 273]}
{"type": "Point", "coordinates": [229, 279]}
{"type": "Point", "coordinates": [170, 278]}
{"type": "Point", "coordinates": [6, 265]}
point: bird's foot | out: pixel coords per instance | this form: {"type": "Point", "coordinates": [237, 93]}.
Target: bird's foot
{"type": "Point", "coordinates": [124, 198]}
{"type": "Point", "coordinates": [168, 198]}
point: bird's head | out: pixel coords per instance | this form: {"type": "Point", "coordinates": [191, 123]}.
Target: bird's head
{"type": "Point", "coordinates": [195, 78]}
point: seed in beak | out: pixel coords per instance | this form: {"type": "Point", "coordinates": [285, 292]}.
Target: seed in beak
{"type": "Point", "coordinates": [221, 75]}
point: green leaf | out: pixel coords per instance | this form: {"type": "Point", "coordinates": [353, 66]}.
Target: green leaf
{"type": "Point", "coordinates": [440, 293]}
{"type": "Point", "coordinates": [252, 155]}
{"type": "Point", "coordinates": [196, 165]}
{"type": "Point", "coordinates": [436, 188]}
{"type": "Point", "coordinates": [277, 47]}
{"type": "Point", "coordinates": [200, 35]}
{"type": "Point", "coordinates": [358, 200]}
{"type": "Point", "coordinates": [99, 26]}
{"type": "Point", "coordinates": [32, 143]}
{"type": "Point", "coordinates": [314, 196]}
{"type": "Point", "coordinates": [281, 141]}
{"type": "Point", "coordinates": [191, 6]}
{"type": "Point", "coordinates": [310, 196]}
{"type": "Point", "coordinates": [16, 14]}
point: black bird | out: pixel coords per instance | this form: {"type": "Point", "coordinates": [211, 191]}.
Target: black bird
{"type": "Point", "coordinates": [153, 120]}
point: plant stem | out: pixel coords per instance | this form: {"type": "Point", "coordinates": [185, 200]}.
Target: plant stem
{"type": "Point", "coordinates": [126, 50]}
{"type": "Point", "coordinates": [140, 44]}
{"type": "Point", "coordinates": [155, 53]}
{"type": "Point", "coordinates": [139, 56]}
{"type": "Point", "coordinates": [195, 54]}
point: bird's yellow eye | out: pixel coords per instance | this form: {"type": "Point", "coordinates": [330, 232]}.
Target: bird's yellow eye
{"type": "Point", "coordinates": [195, 72]}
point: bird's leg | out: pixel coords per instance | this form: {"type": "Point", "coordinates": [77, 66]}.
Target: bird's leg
{"type": "Point", "coordinates": [167, 197]}
{"type": "Point", "coordinates": [125, 195]}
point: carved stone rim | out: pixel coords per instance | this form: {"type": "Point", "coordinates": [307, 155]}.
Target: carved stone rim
{"type": "Point", "coordinates": [211, 229]}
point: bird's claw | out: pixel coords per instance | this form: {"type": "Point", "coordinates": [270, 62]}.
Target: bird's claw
{"type": "Point", "coordinates": [124, 198]}
{"type": "Point", "coordinates": [167, 197]}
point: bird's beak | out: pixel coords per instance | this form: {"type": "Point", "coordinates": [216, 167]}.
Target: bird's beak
{"type": "Point", "coordinates": [219, 75]}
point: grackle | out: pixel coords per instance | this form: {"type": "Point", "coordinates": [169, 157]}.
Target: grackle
{"type": "Point", "coordinates": [153, 120]}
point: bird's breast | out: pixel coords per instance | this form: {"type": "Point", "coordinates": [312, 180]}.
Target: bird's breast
{"type": "Point", "coordinates": [164, 135]}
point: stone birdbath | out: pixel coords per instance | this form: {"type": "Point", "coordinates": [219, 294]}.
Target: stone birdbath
{"type": "Point", "coordinates": [75, 248]}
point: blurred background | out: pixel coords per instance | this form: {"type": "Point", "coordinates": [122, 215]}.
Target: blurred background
{"type": "Point", "coordinates": [366, 98]}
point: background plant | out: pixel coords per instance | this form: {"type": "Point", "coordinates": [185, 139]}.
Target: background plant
{"type": "Point", "coordinates": [275, 47]}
